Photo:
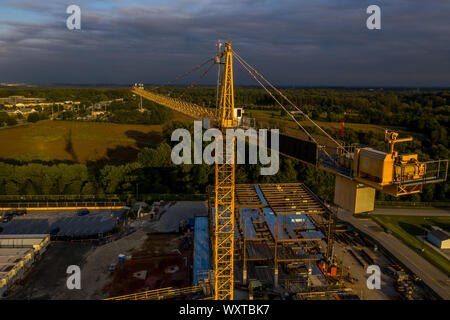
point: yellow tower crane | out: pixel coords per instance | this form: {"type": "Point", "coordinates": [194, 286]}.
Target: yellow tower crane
{"type": "Point", "coordinates": [358, 173]}
{"type": "Point", "coordinates": [224, 118]}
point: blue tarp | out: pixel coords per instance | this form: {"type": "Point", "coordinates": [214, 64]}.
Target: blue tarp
{"type": "Point", "coordinates": [202, 249]}
{"type": "Point", "coordinates": [312, 235]}
{"type": "Point", "coordinates": [296, 220]}
{"type": "Point", "coordinates": [260, 195]}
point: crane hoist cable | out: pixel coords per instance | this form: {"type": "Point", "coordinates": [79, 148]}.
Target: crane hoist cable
{"type": "Point", "coordinates": [287, 99]}
{"type": "Point", "coordinates": [193, 84]}
{"type": "Point", "coordinates": [217, 87]}
{"type": "Point", "coordinates": [282, 106]}
{"type": "Point", "coordinates": [185, 74]}
{"type": "Point", "coordinates": [274, 98]}
{"type": "Point", "coordinates": [241, 60]}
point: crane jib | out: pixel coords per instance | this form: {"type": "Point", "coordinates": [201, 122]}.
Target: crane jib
{"type": "Point", "coordinates": [186, 108]}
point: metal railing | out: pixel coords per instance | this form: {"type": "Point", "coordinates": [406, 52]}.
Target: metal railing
{"type": "Point", "coordinates": [435, 171]}
{"type": "Point", "coordinates": [59, 197]}
{"type": "Point", "coordinates": [158, 294]}
{"type": "Point", "coordinates": [442, 204]}
{"type": "Point", "coordinates": [331, 161]}
{"type": "Point", "coordinates": [47, 205]}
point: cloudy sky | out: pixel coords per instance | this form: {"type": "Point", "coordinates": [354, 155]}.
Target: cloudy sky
{"type": "Point", "coordinates": [292, 42]}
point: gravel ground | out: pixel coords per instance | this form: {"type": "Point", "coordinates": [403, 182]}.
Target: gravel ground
{"type": "Point", "coordinates": [173, 213]}
{"type": "Point", "coordinates": [387, 291]}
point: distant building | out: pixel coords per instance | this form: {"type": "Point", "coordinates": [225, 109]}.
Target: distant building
{"type": "Point", "coordinates": [102, 104]}
{"type": "Point", "coordinates": [95, 114]}
{"type": "Point", "coordinates": [24, 112]}
{"type": "Point", "coordinates": [22, 102]}
{"type": "Point", "coordinates": [14, 100]}
{"type": "Point", "coordinates": [439, 237]}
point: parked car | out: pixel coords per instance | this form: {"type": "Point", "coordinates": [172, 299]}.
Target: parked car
{"type": "Point", "coordinates": [20, 212]}
{"type": "Point", "coordinates": [7, 217]}
{"type": "Point", "coordinates": [83, 212]}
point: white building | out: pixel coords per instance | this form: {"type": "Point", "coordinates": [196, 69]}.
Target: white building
{"type": "Point", "coordinates": [17, 255]}
{"type": "Point", "coordinates": [439, 237]}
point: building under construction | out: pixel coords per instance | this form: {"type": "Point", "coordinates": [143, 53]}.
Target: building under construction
{"type": "Point", "coordinates": [283, 238]}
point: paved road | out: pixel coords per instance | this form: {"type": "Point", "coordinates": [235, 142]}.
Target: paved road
{"type": "Point", "coordinates": [413, 212]}
{"type": "Point", "coordinates": [432, 276]}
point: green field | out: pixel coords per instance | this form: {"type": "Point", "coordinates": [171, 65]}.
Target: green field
{"type": "Point", "coordinates": [265, 116]}
{"type": "Point", "coordinates": [407, 228]}
{"type": "Point", "coordinates": [77, 142]}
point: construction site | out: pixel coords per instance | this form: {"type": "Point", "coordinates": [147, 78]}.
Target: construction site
{"type": "Point", "coordinates": [247, 241]}
{"type": "Point", "coordinates": [288, 245]}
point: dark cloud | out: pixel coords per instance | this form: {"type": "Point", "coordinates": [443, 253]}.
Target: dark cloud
{"type": "Point", "coordinates": [292, 42]}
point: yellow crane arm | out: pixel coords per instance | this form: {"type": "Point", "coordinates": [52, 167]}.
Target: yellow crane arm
{"type": "Point", "coordinates": [189, 109]}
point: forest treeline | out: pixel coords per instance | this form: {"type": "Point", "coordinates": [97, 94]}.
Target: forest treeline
{"type": "Point", "coordinates": [423, 113]}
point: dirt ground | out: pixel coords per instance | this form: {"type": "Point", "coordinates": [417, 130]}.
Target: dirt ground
{"type": "Point", "coordinates": [47, 278]}
{"type": "Point", "coordinates": [164, 259]}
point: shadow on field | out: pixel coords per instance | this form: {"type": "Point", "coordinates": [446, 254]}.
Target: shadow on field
{"type": "Point", "coordinates": [125, 154]}
{"type": "Point", "coordinates": [440, 224]}
{"type": "Point", "coordinates": [411, 228]}
{"type": "Point", "coordinates": [149, 140]}
{"type": "Point", "coordinates": [121, 155]}
{"type": "Point", "coordinates": [69, 146]}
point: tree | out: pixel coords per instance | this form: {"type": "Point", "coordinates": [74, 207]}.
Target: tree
{"type": "Point", "coordinates": [3, 118]}
{"type": "Point", "coordinates": [11, 121]}
{"type": "Point", "coordinates": [33, 117]}
{"type": "Point", "coordinates": [159, 157]}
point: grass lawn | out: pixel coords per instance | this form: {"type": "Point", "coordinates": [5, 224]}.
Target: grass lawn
{"type": "Point", "coordinates": [407, 228]}
{"type": "Point", "coordinates": [266, 116]}
{"type": "Point", "coordinates": [76, 141]}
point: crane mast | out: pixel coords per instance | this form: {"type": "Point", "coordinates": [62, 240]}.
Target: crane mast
{"type": "Point", "coordinates": [224, 189]}
{"type": "Point", "coordinates": [224, 117]}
